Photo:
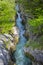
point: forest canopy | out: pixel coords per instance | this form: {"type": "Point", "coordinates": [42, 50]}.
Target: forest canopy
{"type": "Point", "coordinates": [7, 15]}
{"type": "Point", "coordinates": [35, 9]}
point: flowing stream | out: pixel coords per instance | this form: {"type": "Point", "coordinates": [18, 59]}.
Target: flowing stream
{"type": "Point", "coordinates": [21, 59]}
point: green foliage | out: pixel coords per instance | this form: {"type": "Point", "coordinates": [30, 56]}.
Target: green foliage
{"type": "Point", "coordinates": [32, 6]}
{"type": "Point", "coordinates": [6, 27]}
{"type": "Point", "coordinates": [34, 9]}
{"type": "Point", "coordinates": [7, 14]}
{"type": "Point", "coordinates": [34, 45]}
{"type": "Point", "coordinates": [36, 25]}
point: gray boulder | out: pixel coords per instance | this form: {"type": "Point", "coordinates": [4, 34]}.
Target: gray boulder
{"type": "Point", "coordinates": [4, 54]}
{"type": "Point", "coordinates": [35, 55]}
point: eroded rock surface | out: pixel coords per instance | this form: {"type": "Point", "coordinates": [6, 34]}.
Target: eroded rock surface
{"type": "Point", "coordinates": [35, 55]}
{"type": "Point", "coordinates": [4, 54]}
{"type": "Point", "coordinates": [7, 45]}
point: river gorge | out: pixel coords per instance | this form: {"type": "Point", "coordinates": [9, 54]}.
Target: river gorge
{"type": "Point", "coordinates": [21, 32]}
{"type": "Point", "coordinates": [21, 59]}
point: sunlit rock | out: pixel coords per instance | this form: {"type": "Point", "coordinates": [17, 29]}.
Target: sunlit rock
{"type": "Point", "coordinates": [8, 36]}
{"type": "Point", "coordinates": [15, 32]}
{"type": "Point", "coordinates": [2, 37]}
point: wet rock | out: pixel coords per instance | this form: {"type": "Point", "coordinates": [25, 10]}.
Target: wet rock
{"type": "Point", "coordinates": [12, 55]}
{"type": "Point", "coordinates": [16, 16]}
{"type": "Point", "coordinates": [4, 54]}
{"type": "Point", "coordinates": [35, 55]}
{"type": "Point", "coordinates": [23, 19]}
{"type": "Point", "coordinates": [26, 34]}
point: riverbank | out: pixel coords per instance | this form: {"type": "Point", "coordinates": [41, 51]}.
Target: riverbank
{"type": "Point", "coordinates": [8, 44]}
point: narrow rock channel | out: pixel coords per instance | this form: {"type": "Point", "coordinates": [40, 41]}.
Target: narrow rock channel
{"type": "Point", "coordinates": [21, 59]}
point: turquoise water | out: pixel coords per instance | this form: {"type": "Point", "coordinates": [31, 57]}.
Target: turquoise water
{"type": "Point", "coordinates": [21, 59]}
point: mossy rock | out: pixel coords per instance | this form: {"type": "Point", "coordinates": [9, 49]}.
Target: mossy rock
{"type": "Point", "coordinates": [16, 39]}
{"type": "Point", "coordinates": [30, 56]}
